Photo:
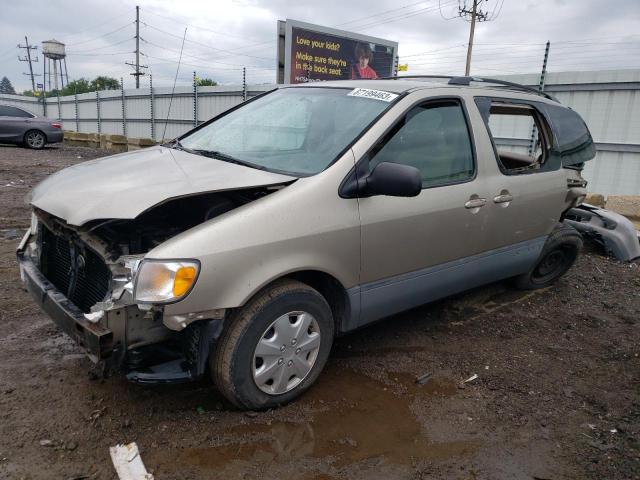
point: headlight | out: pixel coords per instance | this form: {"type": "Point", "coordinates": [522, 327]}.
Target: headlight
{"type": "Point", "coordinates": [164, 281]}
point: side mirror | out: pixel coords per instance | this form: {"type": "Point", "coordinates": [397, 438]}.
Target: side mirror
{"type": "Point", "coordinates": [392, 179]}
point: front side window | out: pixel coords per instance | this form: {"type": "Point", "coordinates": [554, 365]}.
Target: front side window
{"type": "Point", "coordinates": [520, 136]}
{"type": "Point", "coordinates": [6, 111]}
{"type": "Point", "coordinates": [299, 131]}
{"type": "Point", "coordinates": [434, 138]}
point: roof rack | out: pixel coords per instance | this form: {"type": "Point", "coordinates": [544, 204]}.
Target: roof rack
{"type": "Point", "coordinates": [467, 81]}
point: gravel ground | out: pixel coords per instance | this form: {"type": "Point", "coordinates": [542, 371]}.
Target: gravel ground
{"type": "Point", "coordinates": [557, 394]}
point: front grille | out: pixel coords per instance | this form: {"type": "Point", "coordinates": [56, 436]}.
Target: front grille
{"type": "Point", "coordinates": [74, 269]}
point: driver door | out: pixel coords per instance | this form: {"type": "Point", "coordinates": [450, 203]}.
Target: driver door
{"type": "Point", "coordinates": [414, 249]}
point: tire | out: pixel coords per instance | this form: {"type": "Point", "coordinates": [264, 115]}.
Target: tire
{"type": "Point", "coordinates": [558, 255]}
{"type": "Point", "coordinates": [35, 139]}
{"type": "Point", "coordinates": [242, 375]}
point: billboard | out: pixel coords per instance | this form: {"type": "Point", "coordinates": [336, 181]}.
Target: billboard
{"type": "Point", "coordinates": [311, 53]}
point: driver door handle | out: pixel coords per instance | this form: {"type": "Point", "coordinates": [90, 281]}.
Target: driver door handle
{"type": "Point", "coordinates": [475, 203]}
{"type": "Point", "coordinates": [503, 198]}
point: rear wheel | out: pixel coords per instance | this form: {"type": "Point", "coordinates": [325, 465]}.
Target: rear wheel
{"type": "Point", "coordinates": [275, 346]}
{"type": "Point", "coordinates": [35, 139]}
{"type": "Point", "coordinates": [558, 255]}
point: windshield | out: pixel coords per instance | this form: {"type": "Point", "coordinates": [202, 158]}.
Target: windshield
{"type": "Point", "coordinates": [294, 130]}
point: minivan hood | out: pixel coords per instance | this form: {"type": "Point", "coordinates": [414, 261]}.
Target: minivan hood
{"type": "Point", "coordinates": [125, 185]}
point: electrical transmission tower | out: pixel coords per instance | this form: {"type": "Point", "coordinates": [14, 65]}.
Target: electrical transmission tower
{"type": "Point", "coordinates": [472, 11]}
{"type": "Point", "coordinates": [28, 48]}
{"type": "Point", "coordinates": [137, 65]}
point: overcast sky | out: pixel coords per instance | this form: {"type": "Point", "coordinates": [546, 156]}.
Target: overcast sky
{"type": "Point", "coordinates": [224, 35]}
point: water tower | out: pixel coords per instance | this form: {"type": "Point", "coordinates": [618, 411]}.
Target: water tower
{"type": "Point", "coordinates": [53, 50]}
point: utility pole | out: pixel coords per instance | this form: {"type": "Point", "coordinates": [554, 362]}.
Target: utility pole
{"type": "Point", "coordinates": [137, 65]}
{"type": "Point", "coordinates": [543, 74]}
{"type": "Point", "coordinates": [476, 14]}
{"type": "Point", "coordinates": [28, 48]}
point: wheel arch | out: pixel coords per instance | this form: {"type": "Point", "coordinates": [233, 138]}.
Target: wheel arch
{"type": "Point", "coordinates": [334, 292]}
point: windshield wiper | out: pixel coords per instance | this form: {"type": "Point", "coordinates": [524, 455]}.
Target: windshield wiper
{"type": "Point", "coordinates": [177, 145]}
{"type": "Point", "coordinates": [225, 158]}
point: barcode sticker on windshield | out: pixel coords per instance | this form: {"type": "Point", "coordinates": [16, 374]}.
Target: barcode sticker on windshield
{"type": "Point", "coordinates": [373, 94]}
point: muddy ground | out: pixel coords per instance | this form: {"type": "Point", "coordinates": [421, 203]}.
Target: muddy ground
{"type": "Point", "coordinates": [557, 394]}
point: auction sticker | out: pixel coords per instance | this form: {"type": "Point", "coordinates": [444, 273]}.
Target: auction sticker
{"type": "Point", "coordinates": [373, 94]}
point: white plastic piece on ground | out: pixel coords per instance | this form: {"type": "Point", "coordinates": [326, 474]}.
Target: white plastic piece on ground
{"type": "Point", "coordinates": [126, 459]}
{"type": "Point", "coordinates": [471, 378]}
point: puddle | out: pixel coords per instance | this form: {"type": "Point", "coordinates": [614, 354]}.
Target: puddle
{"type": "Point", "coordinates": [354, 418]}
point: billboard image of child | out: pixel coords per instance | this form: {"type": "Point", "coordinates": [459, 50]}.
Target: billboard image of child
{"type": "Point", "coordinates": [363, 59]}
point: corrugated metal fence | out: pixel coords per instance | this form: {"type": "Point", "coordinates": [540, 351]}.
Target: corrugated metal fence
{"type": "Point", "coordinates": [138, 113]}
{"type": "Point", "coordinates": [609, 102]}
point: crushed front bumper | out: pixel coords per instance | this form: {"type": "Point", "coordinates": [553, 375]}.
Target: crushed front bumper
{"type": "Point", "coordinates": [124, 338]}
{"type": "Point", "coordinates": [93, 337]}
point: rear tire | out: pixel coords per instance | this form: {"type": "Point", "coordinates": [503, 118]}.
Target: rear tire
{"type": "Point", "coordinates": [274, 347]}
{"type": "Point", "coordinates": [558, 255]}
{"type": "Point", "coordinates": [35, 139]}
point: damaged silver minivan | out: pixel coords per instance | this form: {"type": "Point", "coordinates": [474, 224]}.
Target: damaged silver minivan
{"type": "Point", "coordinates": [245, 246]}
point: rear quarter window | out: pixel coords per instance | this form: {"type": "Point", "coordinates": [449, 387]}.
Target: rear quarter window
{"type": "Point", "coordinates": [573, 140]}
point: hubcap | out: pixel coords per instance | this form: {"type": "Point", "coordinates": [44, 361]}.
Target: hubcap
{"type": "Point", "coordinates": [286, 353]}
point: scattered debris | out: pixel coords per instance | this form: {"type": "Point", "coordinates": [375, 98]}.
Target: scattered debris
{"type": "Point", "coordinates": [200, 409]}
{"type": "Point", "coordinates": [128, 463]}
{"type": "Point", "coordinates": [251, 414]}
{"type": "Point", "coordinates": [471, 378]}
{"type": "Point", "coordinates": [46, 443]}
{"type": "Point", "coordinates": [348, 441]}
{"type": "Point", "coordinates": [422, 379]}
{"type": "Point", "coordinates": [96, 414]}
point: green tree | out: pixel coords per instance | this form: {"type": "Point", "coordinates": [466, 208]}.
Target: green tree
{"type": "Point", "coordinates": [6, 87]}
{"type": "Point", "coordinates": [81, 85]}
{"type": "Point", "coordinates": [206, 82]}
{"type": "Point", "coordinates": [104, 83]}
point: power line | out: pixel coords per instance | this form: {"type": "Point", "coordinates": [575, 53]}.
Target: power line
{"type": "Point", "coordinates": [400, 17]}
{"type": "Point", "coordinates": [215, 32]}
{"type": "Point", "coordinates": [100, 48]}
{"type": "Point", "coordinates": [382, 13]}
{"type": "Point", "coordinates": [105, 54]}
{"type": "Point", "coordinates": [203, 44]}
{"type": "Point", "coordinates": [100, 36]}
{"type": "Point", "coordinates": [97, 25]}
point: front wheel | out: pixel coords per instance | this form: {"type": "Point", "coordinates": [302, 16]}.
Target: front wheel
{"type": "Point", "coordinates": [275, 346]}
{"type": "Point", "coordinates": [35, 139]}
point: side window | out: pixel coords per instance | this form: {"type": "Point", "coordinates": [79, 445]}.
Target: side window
{"type": "Point", "coordinates": [521, 138]}
{"type": "Point", "coordinates": [434, 138]}
{"type": "Point", "coordinates": [6, 111]}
